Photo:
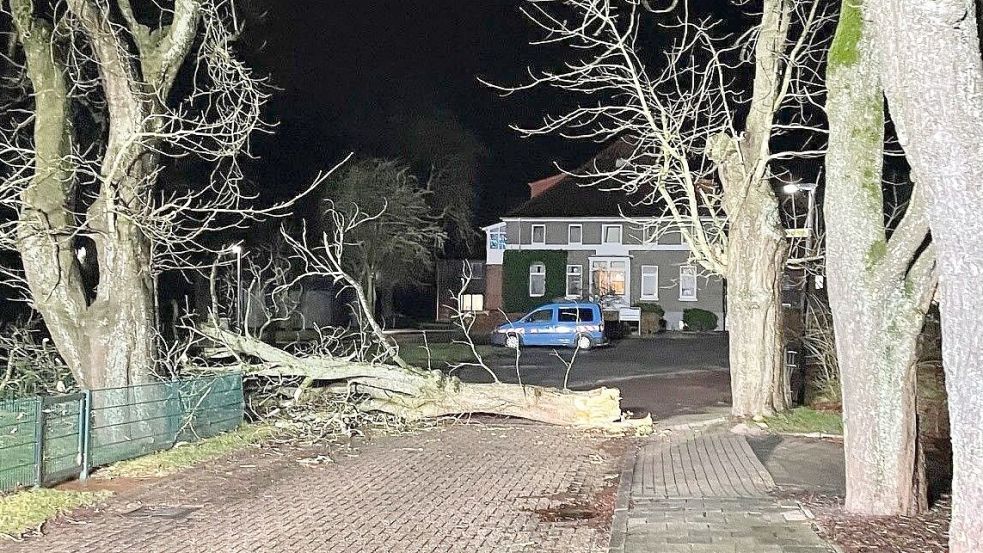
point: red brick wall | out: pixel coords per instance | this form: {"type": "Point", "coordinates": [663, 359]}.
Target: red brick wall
{"type": "Point", "coordinates": [493, 287]}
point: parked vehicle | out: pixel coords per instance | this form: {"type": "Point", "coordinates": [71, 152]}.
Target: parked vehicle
{"type": "Point", "coordinates": [571, 324]}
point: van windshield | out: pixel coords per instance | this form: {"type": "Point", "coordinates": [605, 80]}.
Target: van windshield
{"type": "Point", "coordinates": [573, 314]}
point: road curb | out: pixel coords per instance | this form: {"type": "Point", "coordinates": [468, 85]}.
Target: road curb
{"type": "Point", "coordinates": [622, 502]}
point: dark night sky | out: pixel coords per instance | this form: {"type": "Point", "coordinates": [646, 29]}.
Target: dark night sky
{"type": "Point", "coordinates": [374, 76]}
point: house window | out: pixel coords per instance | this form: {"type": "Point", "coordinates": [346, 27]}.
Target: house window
{"type": "Point", "coordinates": [650, 282]}
{"type": "Point", "coordinates": [496, 240]}
{"type": "Point", "coordinates": [537, 280]}
{"type": "Point", "coordinates": [687, 283]}
{"type": "Point", "coordinates": [611, 234]}
{"type": "Point", "coordinates": [575, 281]}
{"type": "Point", "coordinates": [539, 234]}
{"type": "Point", "coordinates": [471, 302]}
{"type": "Point", "coordinates": [608, 278]}
{"type": "Point", "coordinates": [650, 234]}
{"type": "Point", "coordinates": [575, 234]}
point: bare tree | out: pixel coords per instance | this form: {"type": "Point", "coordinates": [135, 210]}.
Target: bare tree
{"type": "Point", "coordinates": [881, 282]}
{"type": "Point", "coordinates": [396, 248]}
{"type": "Point", "coordinates": [85, 144]}
{"type": "Point", "coordinates": [387, 383]}
{"type": "Point", "coordinates": [927, 55]}
{"type": "Point", "coordinates": [685, 133]}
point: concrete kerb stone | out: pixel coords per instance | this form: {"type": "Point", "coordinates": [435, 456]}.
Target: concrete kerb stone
{"type": "Point", "coordinates": [622, 502]}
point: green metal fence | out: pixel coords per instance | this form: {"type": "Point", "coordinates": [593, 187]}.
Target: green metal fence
{"type": "Point", "coordinates": [44, 440]}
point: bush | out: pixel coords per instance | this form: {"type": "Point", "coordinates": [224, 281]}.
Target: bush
{"type": "Point", "coordinates": [699, 320]}
{"type": "Point", "coordinates": [648, 307]}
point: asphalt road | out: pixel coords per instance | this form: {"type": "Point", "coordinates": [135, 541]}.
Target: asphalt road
{"type": "Point", "coordinates": [666, 376]}
{"type": "Point", "coordinates": [623, 360]}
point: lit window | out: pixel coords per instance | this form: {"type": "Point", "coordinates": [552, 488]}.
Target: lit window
{"type": "Point", "coordinates": [687, 283]}
{"type": "Point", "coordinates": [608, 278]}
{"type": "Point", "coordinates": [575, 234]}
{"type": "Point", "coordinates": [471, 302]}
{"type": "Point", "coordinates": [496, 240]}
{"type": "Point", "coordinates": [537, 280]}
{"type": "Point", "coordinates": [539, 234]}
{"type": "Point", "coordinates": [650, 282]}
{"type": "Point", "coordinates": [612, 234]}
{"type": "Point", "coordinates": [575, 281]}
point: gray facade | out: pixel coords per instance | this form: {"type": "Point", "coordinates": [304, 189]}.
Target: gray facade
{"type": "Point", "coordinates": [667, 254]}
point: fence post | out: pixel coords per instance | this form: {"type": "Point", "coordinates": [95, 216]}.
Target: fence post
{"type": "Point", "coordinates": [85, 432]}
{"type": "Point", "coordinates": [39, 442]}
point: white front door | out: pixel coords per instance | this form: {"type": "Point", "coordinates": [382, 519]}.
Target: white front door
{"type": "Point", "coordinates": [610, 281]}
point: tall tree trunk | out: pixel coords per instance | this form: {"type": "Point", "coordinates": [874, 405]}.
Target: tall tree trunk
{"type": "Point", "coordinates": [759, 383]}
{"type": "Point", "coordinates": [757, 248]}
{"type": "Point", "coordinates": [120, 322]}
{"type": "Point", "coordinates": [878, 311]}
{"type": "Point", "coordinates": [930, 64]}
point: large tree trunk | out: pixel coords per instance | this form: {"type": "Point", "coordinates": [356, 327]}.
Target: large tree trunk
{"type": "Point", "coordinates": [878, 309]}
{"type": "Point", "coordinates": [930, 64]}
{"type": "Point", "coordinates": [413, 393]}
{"type": "Point", "coordinates": [759, 383]}
{"type": "Point", "coordinates": [757, 248]}
{"type": "Point", "coordinates": [120, 323]}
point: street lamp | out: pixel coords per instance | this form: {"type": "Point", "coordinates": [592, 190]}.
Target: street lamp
{"type": "Point", "coordinates": [237, 250]}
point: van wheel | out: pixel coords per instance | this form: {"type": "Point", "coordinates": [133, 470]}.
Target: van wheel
{"type": "Point", "coordinates": [512, 341]}
{"type": "Point", "coordinates": [584, 342]}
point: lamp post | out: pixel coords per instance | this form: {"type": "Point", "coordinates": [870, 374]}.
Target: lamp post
{"type": "Point", "coordinates": [237, 249]}
{"type": "Point", "coordinates": [794, 188]}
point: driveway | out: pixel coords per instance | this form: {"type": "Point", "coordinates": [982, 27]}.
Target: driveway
{"type": "Point", "coordinates": [672, 374]}
{"type": "Point", "coordinates": [476, 488]}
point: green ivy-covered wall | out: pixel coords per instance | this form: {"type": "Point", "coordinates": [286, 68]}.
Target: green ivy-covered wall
{"type": "Point", "coordinates": [515, 278]}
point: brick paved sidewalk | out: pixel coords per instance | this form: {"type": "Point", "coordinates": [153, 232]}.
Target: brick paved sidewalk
{"type": "Point", "coordinates": [465, 488]}
{"type": "Point", "coordinates": [705, 493]}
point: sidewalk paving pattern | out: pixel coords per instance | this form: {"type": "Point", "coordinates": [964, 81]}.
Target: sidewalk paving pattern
{"type": "Point", "coordinates": [465, 488]}
{"type": "Point", "coordinates": [707, 493]}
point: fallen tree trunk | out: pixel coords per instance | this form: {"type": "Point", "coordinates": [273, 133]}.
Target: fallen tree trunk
{"type": "Point", "coordinates": [413, 393]}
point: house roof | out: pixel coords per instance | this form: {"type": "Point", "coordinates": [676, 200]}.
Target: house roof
{"type": "Point", "coordinates": [564, 195]}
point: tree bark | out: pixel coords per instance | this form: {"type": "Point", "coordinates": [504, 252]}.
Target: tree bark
{"type": "Point", "coordinates": [878, 311]}
{"type": "Point", "coordinates": [757, 248]}
{"type": "Point", "coordinates": [413, 393]}
{"type": "Point", "coordinates": [930, 64]}
{"type": "Point", "coordinates": [759, 383]}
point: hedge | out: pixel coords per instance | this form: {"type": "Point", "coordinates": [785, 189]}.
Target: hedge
{"type": "Point", "coordinates": [699, 320]}
{"type": "Point", "coordinates": [515, 278]}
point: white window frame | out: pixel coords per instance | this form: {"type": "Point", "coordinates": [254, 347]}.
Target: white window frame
{"type": "Point", "coordinates": [542, 274]}
{"type": "Point", "coordinates": [596, 261]}
{"type": "Point", "coordinates": [532, 235]}
{"type": "Point", "coordinates": [471, 303]}
{"type": "Point", "coordinates": [650, 235]}
{"type": "Point", "coordinates": [497, 238]}
{"type": "Point", "coordinates": [604, 234]}
{"type": "Point", "coordinates": [641, 282]}
{"type": "Point", "coordinates": [691, 273]}
{"type": "Point", "coordinates": [580, 275]}
{"type": "Point", "coordinates": [570, 232]}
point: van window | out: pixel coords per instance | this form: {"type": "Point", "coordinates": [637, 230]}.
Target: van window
{"type": "Point", "coordinates": [571, 314]}
{"type": "Point", "coordinates": [543, 315]}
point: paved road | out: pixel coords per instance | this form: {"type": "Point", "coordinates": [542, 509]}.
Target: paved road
{"type": "Point", "coordinates": [521, 488]}
{"type": "Point", "coordinates": [665, 376]}
{"type": "Point", "coordinates": [623, 360]}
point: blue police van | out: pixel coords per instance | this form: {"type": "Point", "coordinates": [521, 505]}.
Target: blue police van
{"type": "Point", "coordinates": [570, 324]}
